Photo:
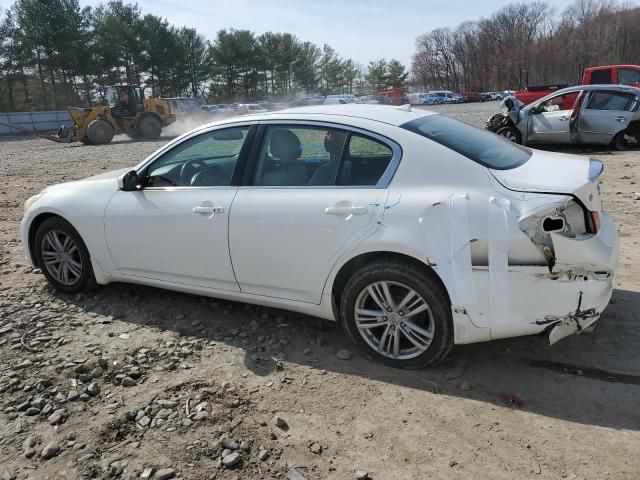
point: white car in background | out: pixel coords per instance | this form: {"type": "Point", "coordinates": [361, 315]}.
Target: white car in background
{"type": "Point", "coordinates": [414, 230]}
{"type": "Point", "coordinates": [336, 100]}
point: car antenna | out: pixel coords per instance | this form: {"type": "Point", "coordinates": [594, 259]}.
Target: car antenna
{"type": "Point", "coordinates": [405, 108]}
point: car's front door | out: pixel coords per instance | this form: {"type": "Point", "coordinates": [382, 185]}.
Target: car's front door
{"type": "Point", "coordinates": [314, 193]}
{"type": "Point", "coordinates": [550, 121]}
{"type": "Point", "coordinates": [605, 113]}
{"type": "Point", "coordinates": [175, 228]}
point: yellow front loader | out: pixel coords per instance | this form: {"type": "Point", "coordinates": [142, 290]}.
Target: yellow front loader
{"type": "Point", "coordinates": [127, 112]}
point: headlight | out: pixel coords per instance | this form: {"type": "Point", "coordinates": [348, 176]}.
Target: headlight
{"type": "Point", "coordinates": [30, 201]}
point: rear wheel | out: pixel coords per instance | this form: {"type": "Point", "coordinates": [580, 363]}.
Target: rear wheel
{"type": "Point", "coordinates": [627, 140]}
{"type": "Point", "coordinates": [510, 133]}
{"type": "Point", "coordinates": [62, 255]}
{"type": "Point", "coordinates": [149, 127]}
{"type": "Point", "coordinates": [99, 132]}
{"type": "Point", "coordinates": [397, 315]}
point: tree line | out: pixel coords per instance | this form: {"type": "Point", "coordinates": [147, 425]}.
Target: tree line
{"type": "Point", "coordinates": [55, 53]}
{"type": "Point", "coordinates": [528, 44]}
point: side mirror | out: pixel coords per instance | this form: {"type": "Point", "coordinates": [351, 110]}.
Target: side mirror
{"type": "Point", "coordinates": [129, 182]}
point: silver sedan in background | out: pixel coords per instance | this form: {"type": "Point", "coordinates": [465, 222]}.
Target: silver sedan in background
{"type": "Point", "coordinates": [584, 114]}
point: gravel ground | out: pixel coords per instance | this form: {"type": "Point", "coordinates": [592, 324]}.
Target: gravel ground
{"type": "Point", "coordinates": [131, 382]}
{"type": "Point", "coordinates": [474, 113]}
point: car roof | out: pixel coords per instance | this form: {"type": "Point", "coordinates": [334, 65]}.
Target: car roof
{"type": "Point", "coordinates": [379, 113]}
{"type": "Point", "coordinates": [615, 87]}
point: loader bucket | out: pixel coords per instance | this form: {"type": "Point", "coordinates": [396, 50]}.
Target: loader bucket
{"type": "Point", "coordinates": [54, 138]}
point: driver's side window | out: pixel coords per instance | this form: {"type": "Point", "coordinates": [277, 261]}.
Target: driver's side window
{"type": "Point", "coordinates": [207, 160]}
{"type": "Point", "coordinates": [558, 103]}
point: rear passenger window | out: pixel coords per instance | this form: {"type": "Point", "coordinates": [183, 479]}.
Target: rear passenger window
{"type": "Point", "coordinates": [311, 156]}
{"type": "Point", "coordinates": [612, 101]}
{"type": "Point", "coordinates": [366, 161]}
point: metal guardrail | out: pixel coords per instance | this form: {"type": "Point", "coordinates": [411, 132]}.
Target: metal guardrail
{"type": "Point", "coordinates": [40, 121]}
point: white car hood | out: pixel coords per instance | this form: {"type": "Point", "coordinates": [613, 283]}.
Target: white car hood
{"type": "Point", "coordinates": [548, 172]}
{"type": "Point", "coordinates": [112, 175]}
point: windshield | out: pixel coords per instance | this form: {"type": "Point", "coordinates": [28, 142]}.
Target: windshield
{"type": "Point", "coordinates": [479, 145]}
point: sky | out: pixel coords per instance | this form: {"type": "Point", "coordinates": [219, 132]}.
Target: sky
{"type": "Point", "coordinates": [363, 30]}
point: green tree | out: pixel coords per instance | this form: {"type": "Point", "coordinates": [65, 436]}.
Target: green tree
{"type": "Point", "coordinates": [197, 60]}
{"type": "Point", "coordinates": [396, 73]}
{"type": "Point", "coordinates": [377, 74]}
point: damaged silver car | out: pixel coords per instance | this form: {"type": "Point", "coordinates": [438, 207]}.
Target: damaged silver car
{"type": "Point", "coordinates": [584, 114]}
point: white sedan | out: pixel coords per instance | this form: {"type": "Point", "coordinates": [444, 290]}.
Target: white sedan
{"type": "Point", "coordinates": [414, 230]}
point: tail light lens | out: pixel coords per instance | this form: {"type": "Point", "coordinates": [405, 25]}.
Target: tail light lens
{"type": "Point", "coordinates": [595, 220]}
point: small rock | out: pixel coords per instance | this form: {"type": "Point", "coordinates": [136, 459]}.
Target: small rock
{"type": "Point", "coordinates": [144, 421]}
{"type": "Point", "coordinates": [465, 386]}
{"type": "Point", "coordinates": [56, 418]}
{"type": "Point", "coordinates": [29, 442]}
{"type": "Point", "coordinates": [316, 448]}
{"type": "Point", "coordinates": [50, 450]}
{"type": "Point", "coordinates": [279, 422]}
{"type": "Point", "coordinates": [165, 474]}
{"type": "Point", "coordinates": [455, 372]}
{"type": "Point", "coordinates": [29, 452]}
{"type": "Point", "coordinates": [163, 414]}
{"type": "Point", "coordinates": [231, 459]}
{"type": "Point", "coordinates": [93, 389]}
{"type": "Point", "coordinates": [128, 382]}
{"type": "Point", "coordinates": [25, 364]}
{"type": "Point", "coordinates": [200, 416]}
{"type": "Point", "coordinates": [230, 443]}
{"type": "Point", "coordinates": [263, 455]}
{"type": "Point", "coordinates": [146, 473]}
{"type": "Point", "coordinates": [344, 354]}
{"type": "Point", "coordinates": [362, 475]}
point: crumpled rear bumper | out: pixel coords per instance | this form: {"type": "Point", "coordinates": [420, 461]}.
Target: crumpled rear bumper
{"type": "Point", "coordinates": [565, 301]}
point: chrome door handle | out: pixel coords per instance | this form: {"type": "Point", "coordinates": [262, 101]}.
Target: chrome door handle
{"type": "Point", "coordinates": [563, 119]}
{"type": "Point", "coordinates": [346, 210]}
{"type": "Point", "coordinates": [620, 119]}
{"type": "Point", "coordinates": [208, 210]}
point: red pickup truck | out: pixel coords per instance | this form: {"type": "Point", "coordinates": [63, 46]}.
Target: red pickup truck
{"type": "Point", "coordinates": [608, 74]}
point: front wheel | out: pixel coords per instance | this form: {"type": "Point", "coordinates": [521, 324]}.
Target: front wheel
{"type": "Point", "coordinates": [398, 315]}
{"type": "Point", "coordinates": [62, 256]}
{"type": "Point", "coordinates": [510, 133]}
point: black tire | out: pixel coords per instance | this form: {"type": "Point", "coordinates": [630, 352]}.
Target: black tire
{"type": "Point", "coordinates": [149, 127]}
{"type": "Point", "coordinates": [626, 140]}
{"type": "Point", "coordinates": [510, 133]}
{"type": "Point", "coordinates": [100, 132]}
{"type": "Point", "coordinates": [400, 274]}
{"type": "Point", "coordinates": [60, 227]}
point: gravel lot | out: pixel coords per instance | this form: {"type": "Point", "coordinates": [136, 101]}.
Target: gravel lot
{"type": "Point", "coordinates": [127, 380]}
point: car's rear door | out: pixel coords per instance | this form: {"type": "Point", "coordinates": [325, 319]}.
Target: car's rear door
{"type": "Point", "coordinates": [605, 113]}
{"type": "Point", "coordinates": [175, 229]}
{"type": "Point", "coordinates": [313, 192]}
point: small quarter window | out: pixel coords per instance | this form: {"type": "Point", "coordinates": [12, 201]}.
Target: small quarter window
{"type": "Point", "coordinates": [366, 161]}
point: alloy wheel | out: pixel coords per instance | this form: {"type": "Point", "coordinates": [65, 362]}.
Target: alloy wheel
{"type": "Point", "coordinates": [394, 320]}
{"type": "Point", "coordinates": [61, 257]}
